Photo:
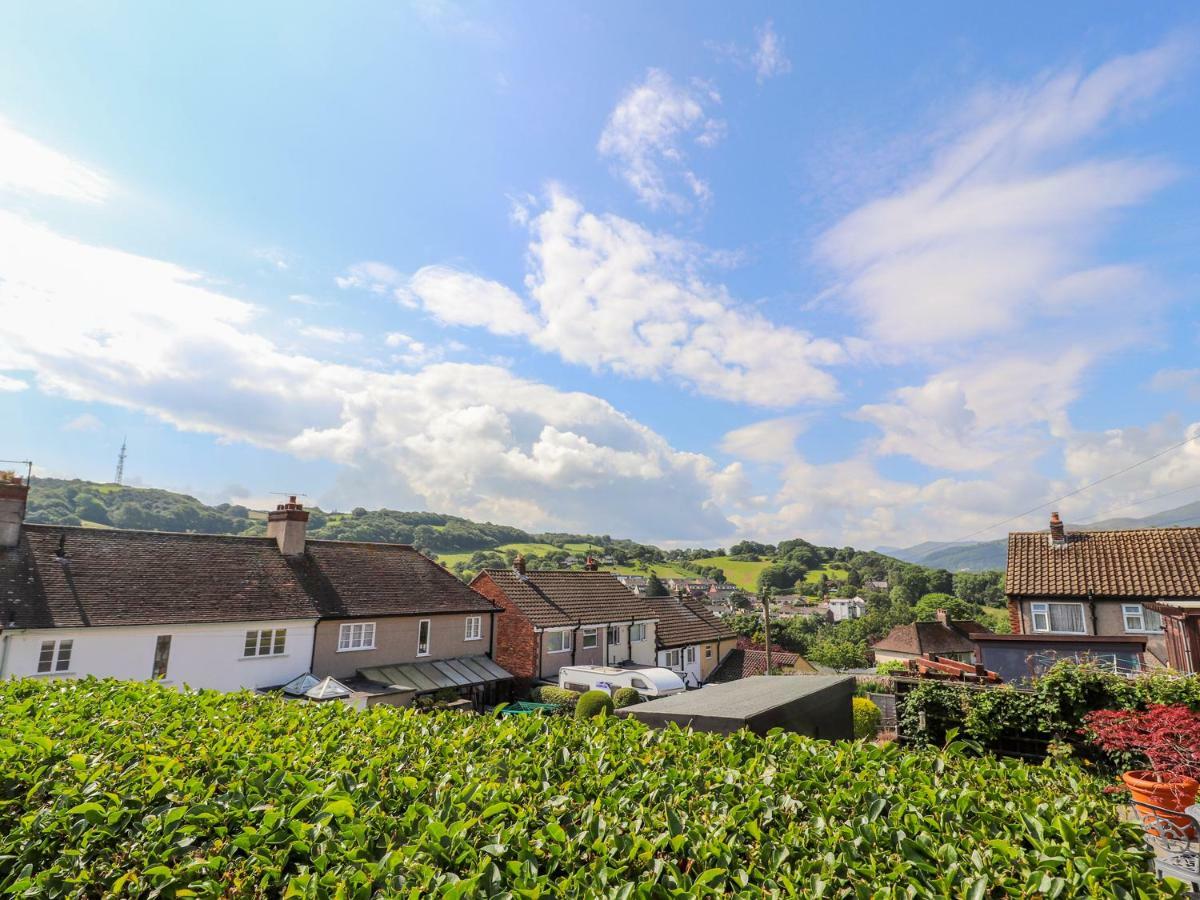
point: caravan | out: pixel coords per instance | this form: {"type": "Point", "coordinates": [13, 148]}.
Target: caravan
{"type": "Point", "coordinates": [649, 682]}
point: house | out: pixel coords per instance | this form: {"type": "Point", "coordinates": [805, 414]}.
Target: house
{"type": "Point", "coordinates": [842, 608]}
{"type": "Point", "coordinates": [689, 639]}
{"type": "Point", "coordinates": [1109, 593]}
{"type": "Point", "coordinates": [951, 639]}
{"type": "Point", "coordinates": [555, 618]}
{"type": "Point", "coordinates": [877, 585]}
{"type": "Point", "coordinates": [747, 662]}
{"type": "Point", "coordinates": [636, 583]}
{"type": "Point", "coordinates": [227, 612]}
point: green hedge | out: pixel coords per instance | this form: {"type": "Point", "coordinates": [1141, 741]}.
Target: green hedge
{"type": "Point", "coordinates": [138, 790]}
{"type": "Point", "coordinates": [556, 695]}
{"type": "Point", "coordinates": [1053, 709]}
{"type": "Point", "coordinates": [626, 696]}
{"type": "Point", "coordinates": [592, 704]}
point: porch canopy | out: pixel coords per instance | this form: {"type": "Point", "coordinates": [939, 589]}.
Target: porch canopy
{"type": "Point", "coordinates": [435, 675]}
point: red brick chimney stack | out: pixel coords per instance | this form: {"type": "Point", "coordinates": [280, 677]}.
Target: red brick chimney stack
{"type": "Point", "coordinates": [13, 494]}
{"type": "Point", "coordinates": [287, 524]}
{"type": "Point", "coordinates": [519, 564]}
{"type": "Point", "coordinates": [1058, 532]}
{"type": "Point", "coordinates": [590, 564]}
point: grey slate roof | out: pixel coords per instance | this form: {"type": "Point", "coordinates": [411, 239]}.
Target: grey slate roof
{"type": "Point", "coordinates": [116, 577]}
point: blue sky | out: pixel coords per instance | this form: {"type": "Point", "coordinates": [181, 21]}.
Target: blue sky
{"type": "Point", "coordinates": [680, 272]}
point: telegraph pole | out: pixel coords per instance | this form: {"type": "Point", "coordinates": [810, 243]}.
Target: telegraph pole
{"type": "Point", "coordinates": [766, 602]}
{"type": "Point", "coordinates": [120, 463]}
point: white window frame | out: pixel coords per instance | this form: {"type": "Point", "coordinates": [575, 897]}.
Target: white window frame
{"type": "Point", "coordinates": [637, 632]}
{"type": "Point", "coordinates": [424, 645]}
{"type": "Point", "coordinates": [675, 655]}
{"type": "Point", "coordinates": [1137, 612]}
{"type": "Point", "coordinates": [564, 637]}
{"type": "Point", "coordinates": [275, 643]}
{"type": "Point", "coordinates": [589, 639]}
{"type": "Point", "coordinates": [614, 635]}
{"type": "Point", "coordinates": [473, 629]}
{"type": "Point", "coordinates": [1042, 610]}
{"type": "Point", "coordinates": [708, 651]}
{"type": "Point", "coordinates": [690, 655]}
{"type": "Point", "coordinates": [60, 656]}
{"type": "Point", "coordinates": [355, 636]}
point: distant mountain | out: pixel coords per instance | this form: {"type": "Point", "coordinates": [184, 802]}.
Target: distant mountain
{"type": "Point", "coordinates": [976, 556]}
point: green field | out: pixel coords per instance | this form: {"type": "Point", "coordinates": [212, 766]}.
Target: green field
{"type": "Point", "coordinates": [450, 559]}
{"type": "Point", "coordinates": [745, 574]}
{"type": "Point", "coordinates": [662, 570]}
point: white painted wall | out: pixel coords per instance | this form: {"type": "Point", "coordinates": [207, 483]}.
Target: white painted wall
{"type": "Point", "coordinates": [690, 671]}
{"type": "Point", "coordinates": [202, 656]}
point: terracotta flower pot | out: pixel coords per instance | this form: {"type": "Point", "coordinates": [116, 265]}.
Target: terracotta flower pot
{"type": "Point", "coordinates": [1164, 790]}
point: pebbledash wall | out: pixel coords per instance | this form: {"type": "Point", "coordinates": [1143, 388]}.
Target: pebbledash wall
{"type": "Point", "coordinates": [201, 655]}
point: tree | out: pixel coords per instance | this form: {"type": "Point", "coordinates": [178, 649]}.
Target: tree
{"type": "Point", "coordinates": [927, 607]}
{"type": "Point", "coordinates": [984, 588]}
{"type": "Point", "coordinates": [654, 587]}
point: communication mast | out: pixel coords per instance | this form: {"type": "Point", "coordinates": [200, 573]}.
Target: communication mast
{"type": "Point", "coordinates": [121, 464]}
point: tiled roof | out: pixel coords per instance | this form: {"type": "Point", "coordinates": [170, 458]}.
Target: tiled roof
{"type": "Point", "coordinates": [685, 621]}
{"type": "Point", "coordinates": [114, 577]}
{"type": "Point", "coordinates": [931, 637]}
{"type": "Point", "coordinates": [1148, 562]}
{"type": "Point", "coordinates": [744, 663]}
{"type": "Point", "coordinates": [365, 579]}
{"type": "Point", "coordinates": [553, 597]}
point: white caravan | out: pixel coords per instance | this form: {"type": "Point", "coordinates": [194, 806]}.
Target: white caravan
{"type": "Point", "coordinates": [650, 682]}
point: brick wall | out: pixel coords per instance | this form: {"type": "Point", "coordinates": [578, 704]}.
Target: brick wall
{"type": "Point", "coordinates": [515, 645]}
{"type": "Point", "coordinates": [1014, 616]}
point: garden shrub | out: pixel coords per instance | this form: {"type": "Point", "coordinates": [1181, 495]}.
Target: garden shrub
{"type": "Point", "coordinates": [626, 696]}
{"type": "Point", "coordinates": [1165, 737]}
{"type": "Point", "coordinates": [891, 667]}
{"type": "Point", "coordinates": [867, 717]}
{"type": "Point", "coordinates": [499, 708]}
{"type": "Point", "coordinates": [592, 704]}
{"type": "Point", "coordinates": [555, 695]}
{"type": "Point", "coordinates": [137, 790]}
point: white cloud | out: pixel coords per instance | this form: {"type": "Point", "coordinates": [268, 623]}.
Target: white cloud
{"type": "Point", "coordinates": [331, 335]}
{"type": "Point", "coordinates": [977, 243]}
{"type": "Point", "coordinates": [767, 441]}
{"type": "Point", "coordinates": [12, 385]}
{"type": "Point", "coordinates": [608, 294]}
{"type": "Point", "coordinates": [274, 257]}
{"type": "Point", "coordinates": [976, 415]}
{"type": "Point", "coordinates": [1185, 380]}
{"type": "Point", "coordinates": [769, 58]}
{"type": "Point", "coordinates": [84, 422]}
{"type": "Point", "coordinates": [29, 166]}
{"type": "Point", "coordinates": [413, 353]}
{"type": "Point", "coordinates": [646, 133]}
{"type": "Point", "coordinates": [100, 325]}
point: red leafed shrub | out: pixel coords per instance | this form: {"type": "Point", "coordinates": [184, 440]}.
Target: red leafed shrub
{"type": "Point", "coordinates": [1167, 736]}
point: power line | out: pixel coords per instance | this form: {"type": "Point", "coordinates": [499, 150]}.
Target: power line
{"type": "Point", "coordinates": [1148, 500]}
{"type": "Point", "coordinates": [1080, 490]}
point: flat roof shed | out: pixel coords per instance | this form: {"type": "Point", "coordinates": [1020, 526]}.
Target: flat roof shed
{"type": "Point", "coordinates": [815, 705]}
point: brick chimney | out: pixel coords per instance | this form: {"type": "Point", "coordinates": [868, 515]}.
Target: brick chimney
{"type": "Point", "coordinates": [519, 564]}
{"type": "Point", "coordinates": [287, 524]}
{"type": "Point", "coordinates": [590, 564]}
{"type": "Point", "coordinates": [1058, 532]}
{"type": "Point", "coordinates": [942, 617]}
{"type": "Point", "coordinates": [13, 494]}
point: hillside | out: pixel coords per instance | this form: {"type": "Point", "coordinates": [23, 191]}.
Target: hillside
{"type": "Point", "coordinates": [983, 555]}
{"type": "Point", "coordinates": [235, 795]}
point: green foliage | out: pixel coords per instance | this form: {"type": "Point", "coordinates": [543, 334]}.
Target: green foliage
{"type": "Point", "coordinates": [891, 667]}
{"type": "Point", "coordinates": [867, 717]}
{"type": "Point", "coordinates": [117, 789]}
{"type": "Point", "coordinates": [982, 588]}
{"type": "Point", "coordinates": [592, 704]}
{"type": "Point", "coordinates": [838, 653]}
{"type": "Point", "coordinates": [927, 607]}
{"type": "Point", "coordinates": [1054, 709]}
{"type": "Point", "coordinates": [626, 696]}
{"type": "Point", "coordinates": [556, 695]}
{"type": "Point", "coordinates": [655, 587]}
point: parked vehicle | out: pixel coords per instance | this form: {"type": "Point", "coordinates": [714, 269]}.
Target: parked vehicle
{"type": "Point", "coordinates": [649, 682]}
